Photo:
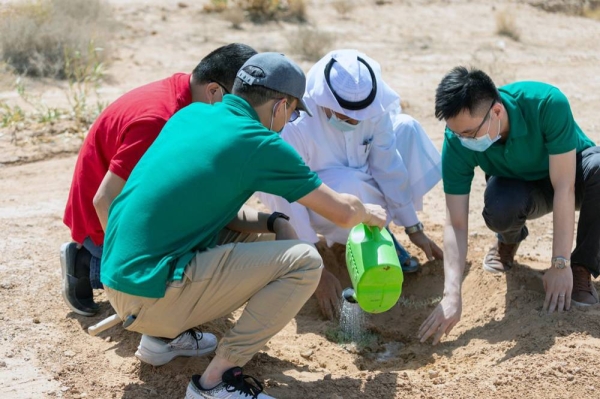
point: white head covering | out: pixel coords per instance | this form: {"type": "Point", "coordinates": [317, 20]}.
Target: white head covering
{"type": "Point", "coordinates": [352, 80]}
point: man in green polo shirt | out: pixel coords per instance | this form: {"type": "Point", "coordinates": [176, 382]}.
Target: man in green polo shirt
{"type": "Point", "coordinates": [181, 251]}
{"type": "Point", "coordinates": [537, 160]}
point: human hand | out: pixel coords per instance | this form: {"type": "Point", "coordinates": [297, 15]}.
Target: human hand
{"type": "Point", "coordinates": [376, 215]}
{"type": "Point", "coordinates": [284, 230]}
{"type": "Point", "coordinates": [558, 284]}
{"type": "Point", "coordinates": [432, 251]}
{"type": "Point", "coordinates": [442, 320]}
{"type": "Point", "coordinates": [329, 294]}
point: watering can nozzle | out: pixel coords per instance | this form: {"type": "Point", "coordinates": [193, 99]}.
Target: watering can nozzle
{"type": "Point", "coordinates": [349, 295]}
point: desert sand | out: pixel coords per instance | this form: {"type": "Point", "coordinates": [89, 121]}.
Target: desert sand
{"type": "Point", "coordinates": [504, 346]}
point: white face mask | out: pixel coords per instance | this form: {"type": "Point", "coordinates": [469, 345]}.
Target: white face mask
{"type": "Point", "coordinates": [480, 144]}
{"type": "Point", "coordinates": [339, 124]}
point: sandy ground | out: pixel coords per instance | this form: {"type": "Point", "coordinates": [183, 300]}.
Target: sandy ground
{"type": "Point", "coordinates": [503, 347]}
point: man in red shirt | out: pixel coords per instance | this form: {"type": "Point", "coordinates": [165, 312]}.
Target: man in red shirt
{"type": "Point", "coordinates": [113, 146]}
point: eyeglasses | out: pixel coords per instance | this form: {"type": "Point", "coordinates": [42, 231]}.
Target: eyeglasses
{"type": "Point", "coordinates": [295, 113]}
{"type": "Point", "coordinates": [222, 86]}
{"type": "Point", "coordinates": [474, 134]}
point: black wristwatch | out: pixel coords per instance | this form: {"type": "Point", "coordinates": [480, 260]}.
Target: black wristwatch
{"type": "Point", "coordinates": [271, 220]}
{"type": "Point", "coordinates": [414, 228]}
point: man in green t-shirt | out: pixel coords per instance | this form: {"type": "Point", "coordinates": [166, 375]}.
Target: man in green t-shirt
{"type": "Point", "coordinates": [537, 160]}
{"type": "Point", "coordinates": [181, 251]}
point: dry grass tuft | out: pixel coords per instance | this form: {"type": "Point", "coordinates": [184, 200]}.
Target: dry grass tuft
{"type": "Point", "coordinates": [296, 11]}
{"type": "Point", "coordinates": [260, 11]}
{"type": "Point", "coordinates": [507, 26]}
{"type": "Point", "coordinates": [310, 43]}
{"type": "Point", "coordinates": [36, 37]}
{"type": "Point", "coordinates": [215, 6]}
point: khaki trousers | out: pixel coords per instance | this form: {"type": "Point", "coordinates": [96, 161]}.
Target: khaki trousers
{"type": "Point", "coordinates": [274, 278]}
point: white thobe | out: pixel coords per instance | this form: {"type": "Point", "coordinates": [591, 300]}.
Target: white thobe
{"type": "Point", "coordinates": [388, 160]}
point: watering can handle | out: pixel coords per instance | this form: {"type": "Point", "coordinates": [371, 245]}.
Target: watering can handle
{"type": "Point", "coordinates": [375, 233]}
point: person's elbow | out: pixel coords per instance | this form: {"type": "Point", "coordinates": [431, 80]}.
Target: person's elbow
{"type": "Point", "coordinates": [564, 187]}
{"type": "Point", "coordinates": [101, 202]}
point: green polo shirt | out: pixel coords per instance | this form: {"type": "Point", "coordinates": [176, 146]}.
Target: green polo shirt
{"type": "Point", "coordinates": [204, 165]}
{"type": "Point", "coordinates": [541, 124]}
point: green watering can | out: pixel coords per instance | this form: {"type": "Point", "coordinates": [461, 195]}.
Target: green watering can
{"type": "Point", "coordinates": [374, 269]}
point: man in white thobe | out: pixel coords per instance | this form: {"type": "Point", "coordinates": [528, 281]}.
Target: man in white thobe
{"type": "Point", "coordinates": [360, 143]}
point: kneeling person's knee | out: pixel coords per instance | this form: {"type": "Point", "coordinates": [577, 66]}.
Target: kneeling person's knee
{"type": "Point", "coordinates": [307, 260]}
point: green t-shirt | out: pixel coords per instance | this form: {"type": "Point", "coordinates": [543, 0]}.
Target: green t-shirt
{"type": "Point", "coordinates": [204, 165]}
{"type": "Point", "coordinates": [541, 124]}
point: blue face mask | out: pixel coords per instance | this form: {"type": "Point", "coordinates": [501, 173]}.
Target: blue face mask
{"type": "Point", "coordinates": [339, 124]}
{"type": "Point", "coordinates": [480, 144]}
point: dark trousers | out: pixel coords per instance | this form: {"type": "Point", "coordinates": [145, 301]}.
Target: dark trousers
{"type": "Point", "coordinates": [509, 203]}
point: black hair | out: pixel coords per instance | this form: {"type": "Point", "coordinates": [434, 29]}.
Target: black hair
{"type": "Point", "coordinates": [256, 95]}
{"type": "Point", "coordinates": [222, 64]}
{"type": "Point", "coordinates": [463, 89]}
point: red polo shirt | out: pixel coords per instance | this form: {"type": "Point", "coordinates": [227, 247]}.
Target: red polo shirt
{"type": "Point", "coordinates": [116, 142]}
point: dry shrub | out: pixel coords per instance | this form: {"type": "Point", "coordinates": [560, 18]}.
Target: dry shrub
{"type": "Point", "coordinates": [310, 43]}
{"type": "Point", "coordinates": [296, 11]}
{"type": "Point", "coordinates": [506, 25]}
{"type": "Point", "coordinates": [591, 11]}
{"type": "Point", "coordinates": [259, 11]}
{"type": "Point", "coordinates": [343, 7]}
{"type": "Point", "coordinates": [36, 37]}
{"type": "Point", "coordinates": [215, 6]}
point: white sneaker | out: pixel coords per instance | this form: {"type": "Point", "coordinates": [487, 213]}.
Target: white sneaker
{"type": "Point", "coordinates": [158, 351]}
{"type": "Point", "coordinates": [235, 385]}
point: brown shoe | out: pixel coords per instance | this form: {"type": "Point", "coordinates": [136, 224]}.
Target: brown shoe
{"type": "Point", "coordinates": [584, 293]}
{"type": "Point", "coordinates": [500, 258]}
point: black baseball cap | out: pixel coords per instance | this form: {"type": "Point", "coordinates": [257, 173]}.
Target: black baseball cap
{"type": "Point", "coordinates": [280, 74]}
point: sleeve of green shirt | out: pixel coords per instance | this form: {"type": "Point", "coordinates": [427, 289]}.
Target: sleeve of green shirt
{"type": "Point", "coordinates": [557, 123]}
{"type": "Point", "coordinates": [276, 168]}
{"type": "Point", "coordinates": [458, 166]}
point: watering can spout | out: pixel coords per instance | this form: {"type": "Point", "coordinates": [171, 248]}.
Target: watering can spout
{"type": "Point", "coordinates": [349, 295]}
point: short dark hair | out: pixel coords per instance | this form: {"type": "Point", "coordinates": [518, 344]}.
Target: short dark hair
{"type": "Point", "coordinates": [222, 64]}
{"type": "Point", "coordinates": [464, 89]}
{"type": "Point", "coordinates": [256, 95]}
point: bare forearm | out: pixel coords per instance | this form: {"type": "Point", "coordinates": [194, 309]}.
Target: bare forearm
{"type": "Point", "coordinates": [344, 210]}
{"type": "Point", "coordinates": [110, 187]}
{"type": "Point", "coordinates": [249, 220]}
{"type": "Point", "coordinates": [563, 222]}
{"type": "Point", "coordinates": [455, 256]}
{"type": "Point", "coordinates": [353, 212]}
{"type": "Point", "coordinates": [101, 205]}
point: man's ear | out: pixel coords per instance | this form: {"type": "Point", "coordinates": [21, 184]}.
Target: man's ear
{"type": "Point", "coordinates": [283, 104]}
{"type": "Point", "coordinates": [210, 91]}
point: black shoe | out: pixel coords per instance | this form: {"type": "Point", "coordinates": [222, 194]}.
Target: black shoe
{"type": "Point", "coordinates": [235, 385]}
{"type": "Point", "coordinates": [77, 290]}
